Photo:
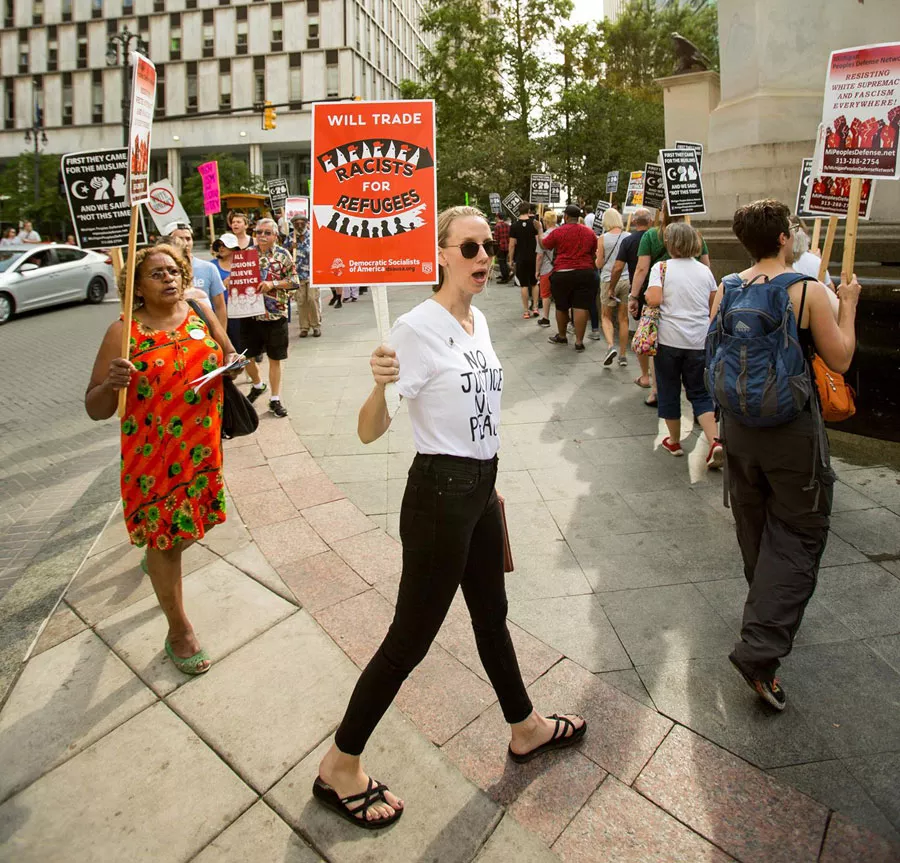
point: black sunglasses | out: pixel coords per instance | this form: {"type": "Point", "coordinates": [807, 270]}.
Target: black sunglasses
{"type": "Point", "coordinates": [469, 249]}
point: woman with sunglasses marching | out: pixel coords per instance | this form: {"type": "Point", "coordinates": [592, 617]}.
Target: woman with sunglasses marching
{"type": "Point", "coordinates": [442, 361]}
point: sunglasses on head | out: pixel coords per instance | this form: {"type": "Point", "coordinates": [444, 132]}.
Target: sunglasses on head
{"type": "Point", "coordinates": [469, 249]}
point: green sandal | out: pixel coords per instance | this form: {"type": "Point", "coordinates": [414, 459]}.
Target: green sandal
{"type": "Point", "coordinates": [144, 564]}
{"type": "Point", "coordinates": [188, 665]}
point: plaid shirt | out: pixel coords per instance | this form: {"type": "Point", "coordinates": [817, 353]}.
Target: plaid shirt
{"type": "Point", "coordinates": [303, 257]}
{"type": "Point", "coordinates": [501, 236]}
{"type": "Point", "coordinates": [277, 265]}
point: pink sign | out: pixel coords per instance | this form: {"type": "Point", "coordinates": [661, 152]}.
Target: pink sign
{"type": "Point", "coordinates": [209, 174]}
{"type": "Point", "coordinates": [244, 298]}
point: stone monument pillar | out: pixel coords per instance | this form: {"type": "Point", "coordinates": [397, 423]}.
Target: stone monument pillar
{"type": "Point", "coordinates": [689, 99]}
{"type": "Point", "coordinates": [773, 58]}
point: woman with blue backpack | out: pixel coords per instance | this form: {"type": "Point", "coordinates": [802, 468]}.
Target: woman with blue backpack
{"type": "Point", "coordinates": [766, 324]}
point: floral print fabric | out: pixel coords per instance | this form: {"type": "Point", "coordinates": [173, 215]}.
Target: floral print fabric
{"type": "Point", "coordinates": [172, 487]}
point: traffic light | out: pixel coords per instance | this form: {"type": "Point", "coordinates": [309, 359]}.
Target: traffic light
{"type": "Point", "coordinates": [269, 116]}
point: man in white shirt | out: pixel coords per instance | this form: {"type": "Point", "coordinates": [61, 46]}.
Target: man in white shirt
{"type": "Point", "coordinates": [207, 280]}
{"type": "Point", "coordinates": [28, 234]}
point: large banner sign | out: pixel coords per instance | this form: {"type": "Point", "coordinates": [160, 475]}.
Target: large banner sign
{"type": "Point", "coordinates": [374, 194]}
{"type": "Point", "coordinates": [96, 191]}
{"type": "Point", "coordinates": [684, 188]}
{"type": "Point", "coordinates": [143, 104]}
{"type": "Point", "coordinates": [244, 299]}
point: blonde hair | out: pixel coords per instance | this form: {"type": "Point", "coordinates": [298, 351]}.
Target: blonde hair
{"type": "Point", "coordinates": [550, 218]}
{"type": "Point", "coordinates": [682, 241]}
{"type": "Point", "coordinates": [176, 254]}
{"type": "Point", "coordinates": [612, 219]}
{"type": "Point", "coordinates": [446, 218]}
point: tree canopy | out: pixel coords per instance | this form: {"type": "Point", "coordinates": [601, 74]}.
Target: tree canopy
{"type": "Point", "coordinates": [518, 91]}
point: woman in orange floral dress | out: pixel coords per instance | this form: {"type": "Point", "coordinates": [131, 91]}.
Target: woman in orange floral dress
{"type": "Point", "coordinates": [172, 489]}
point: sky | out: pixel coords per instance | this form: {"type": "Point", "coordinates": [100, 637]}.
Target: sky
{"type": "Point", "coordinates": [586, 10]}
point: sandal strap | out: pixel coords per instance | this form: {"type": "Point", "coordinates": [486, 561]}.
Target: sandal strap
{"type": "Point", "coordinates": [373, 794]}
{"type": "Point", "coordinates": [563, 723]}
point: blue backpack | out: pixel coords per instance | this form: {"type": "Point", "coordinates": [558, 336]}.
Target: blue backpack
{"type": "Point", "coordinates": [756, 371]}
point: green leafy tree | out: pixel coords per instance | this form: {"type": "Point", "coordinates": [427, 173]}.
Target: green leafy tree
{"type": "Point", "coordinates": [234, 176]}
{"type": "Point", "coordinates": [50, 214]}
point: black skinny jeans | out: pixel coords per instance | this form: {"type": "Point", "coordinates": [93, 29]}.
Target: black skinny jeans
{"type": "Point", "coordinates": [452, 535]}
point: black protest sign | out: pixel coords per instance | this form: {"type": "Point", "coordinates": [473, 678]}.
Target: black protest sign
{"type": "Point", "coordinates": [654, 189]}
{"type": "Point", "coordinates": [612, 182]}
{"type": "Point", "coordinates": [555, 192]}
{"type": "Point", "coordinates": [512, 202]}
{"type": "Point", "coordinates": [278, 193]}
{"type": "Point", "coordinates": [803, 189]}
{"type": "Point", "coordinates": [96, 190]}
{"type": "Point", "coordinates": [496, 203]}
{"type": "Point", "coordinates": [684, 188]}
{"type": "Point", "coordinates": [602, 207]}
{"type": "Point", "coordinates": [540, 188]}
{"type": "Point", "coordinates": [690, 145]}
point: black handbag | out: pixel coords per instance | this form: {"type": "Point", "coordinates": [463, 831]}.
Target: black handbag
{"type": "Point", "coordinates": [239, 417]}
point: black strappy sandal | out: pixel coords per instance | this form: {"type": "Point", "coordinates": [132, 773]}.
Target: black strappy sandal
{"type": "Point", "coordinates": [557, 741]}
{"type": "Point", "coordinates": [328, 797]}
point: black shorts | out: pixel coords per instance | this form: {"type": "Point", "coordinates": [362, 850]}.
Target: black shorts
{"type": "Point", "coordinates": [269, 337]}
{"type": "Point", "coordinates": [526, 277]}
{"type": "Point", "coordinates": [573, 289]}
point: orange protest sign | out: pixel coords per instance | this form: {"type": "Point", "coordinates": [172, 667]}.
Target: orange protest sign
{"type": "Point", "coordinates": [374, 194]}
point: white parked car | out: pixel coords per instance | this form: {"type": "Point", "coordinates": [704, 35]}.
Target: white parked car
{"type": "Point", "coordinates": [34, 276]}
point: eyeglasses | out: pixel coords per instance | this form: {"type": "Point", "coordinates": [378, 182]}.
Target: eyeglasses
{"type": "Point", "coordinates": [469, 249]}
{"type": "Point", "coordinates": [159, 275]}
{"type": "Point", "coordinates": [264, 233]}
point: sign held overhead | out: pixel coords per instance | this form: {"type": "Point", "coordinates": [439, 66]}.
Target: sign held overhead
{"type": "Point", "coordinates": [684, 187]}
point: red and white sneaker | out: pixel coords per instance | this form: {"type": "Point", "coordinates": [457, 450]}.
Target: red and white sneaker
{"type": "Point", "coordinates": [673, 446]}
{"type": "Point", "coordinates": [715, 458]}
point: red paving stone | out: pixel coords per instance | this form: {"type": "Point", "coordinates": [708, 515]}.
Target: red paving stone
{"type": "Point", "coordinates": [265, 507]}
{"type": "Point", "coordinates": [622, 734]}
{"type": "Point", "coordinates": [619, 826]}
{"type": "Point", "coordinates": [312, 490]}
{"type": "Point", "coordinates": [373, 555]}
{"type": "Point", "coordinates": [338, 520]}
{"type": "Point", "coordinates": [320, 581]}
{"type": "Point", "coordinates": [733, 804]}
{"type": "Point", "coordinates": [288, 541]}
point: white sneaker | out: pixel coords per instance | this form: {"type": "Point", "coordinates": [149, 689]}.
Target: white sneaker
{"type": "Point", "coordinates": [595, 335]}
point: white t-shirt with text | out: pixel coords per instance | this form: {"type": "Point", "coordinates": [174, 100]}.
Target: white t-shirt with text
{"type": "Point", "coordinates": [453, 382]}
{"type": "Point", "coordinates": [684, 313]}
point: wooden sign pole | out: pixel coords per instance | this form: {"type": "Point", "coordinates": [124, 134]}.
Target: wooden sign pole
{"type": "Point", "coordinates": [117, 263]}
{"type": "Point", "coordinates": [628, 224]}
{"type": "Point", "coordinates": [128, 299]}
{"type": "Point", "coordinates": [687, 220]}
{"type": "Point", "coordinates": [816, 234]}
{"type": "Point", "coordinates": [850, 230]}
{"type": "Point", "coordinates": [829, 245]}
{"type": "Point", "coordinates": [212, 230]}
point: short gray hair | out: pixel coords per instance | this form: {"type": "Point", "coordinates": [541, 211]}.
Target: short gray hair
{"type": "Point", "coordinates": [641, 216]}
{"type": "Point", "coordinates": [801, 243]}
{"type": "Point", "coordinates": [267, 221]}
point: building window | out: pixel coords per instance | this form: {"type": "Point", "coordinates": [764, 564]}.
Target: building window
{"type": "Point", "coordinates": [276, 28]}
{"type": "Point", "coordinates": [295, 82]}
{"type": "Point", "coordinates": [37, 12]}
{"type": "Point", "coordinates": [9, 13]}
{"type": "Point", "coordinates": [68, 115]}
{"type": "Point", "coordinates": [190, 4]}
{"type": "Point", "coordinates": [96, 8]}
{"type": "Point", "coordinates": [224, 85]}
{"type": "Point", "coordinates": [128, 7]}
{"type": "Point", "coordinates": [175, 36]}
{"type": "Point", "coordinates": [259, 80]}
{"type": "Point", "coordinates": [37, 91]}
{"type": "Point", "coordinates": [241, 37]}
{"type": "Point", "coordinates": [241, 13]}
{"type": "Point", "coordinates": [332, 74]}
{"type": "Point", "coordinates": [209, 40]}
{"type": "Point", "coordinates": [9, 105]}
{"type": "Point", "coordinates": [52, 49]}
{"type": "Point", "coordinates": [23, 58]}
{"type": "Point", "coordinates": [159, 5]}
{"type": "Point", "coordinates": [312, 33]}
{"type": "Point", "coordinates": [67, 10]}
{"type": "Point", "coordinates": [312, 7]}
{"type": "Point", "coordinates": [160, 108]}
{"type": "Point", "coordinates": [96, 96]}
{"type": "Point", "coordinates": [82, 52]}
{"type": "Point", "coordinates": [191, 88]}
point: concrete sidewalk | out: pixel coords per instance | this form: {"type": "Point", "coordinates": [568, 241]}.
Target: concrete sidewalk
{"type": "Point", "coordinates": [624, 602]}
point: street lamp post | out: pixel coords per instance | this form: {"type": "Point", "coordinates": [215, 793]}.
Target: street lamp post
{"type": "Point", "coordinates": [37, 133]}
{"type": "Point", "coordinates": [120, 44]}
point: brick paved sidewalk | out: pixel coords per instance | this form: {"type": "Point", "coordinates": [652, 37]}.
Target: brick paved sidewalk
{"type": "Point", "coordinates": [220, 766]}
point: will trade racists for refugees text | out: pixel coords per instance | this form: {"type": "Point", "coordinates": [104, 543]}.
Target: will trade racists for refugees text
{"type": "Point", "coordinates": [374, 195]}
